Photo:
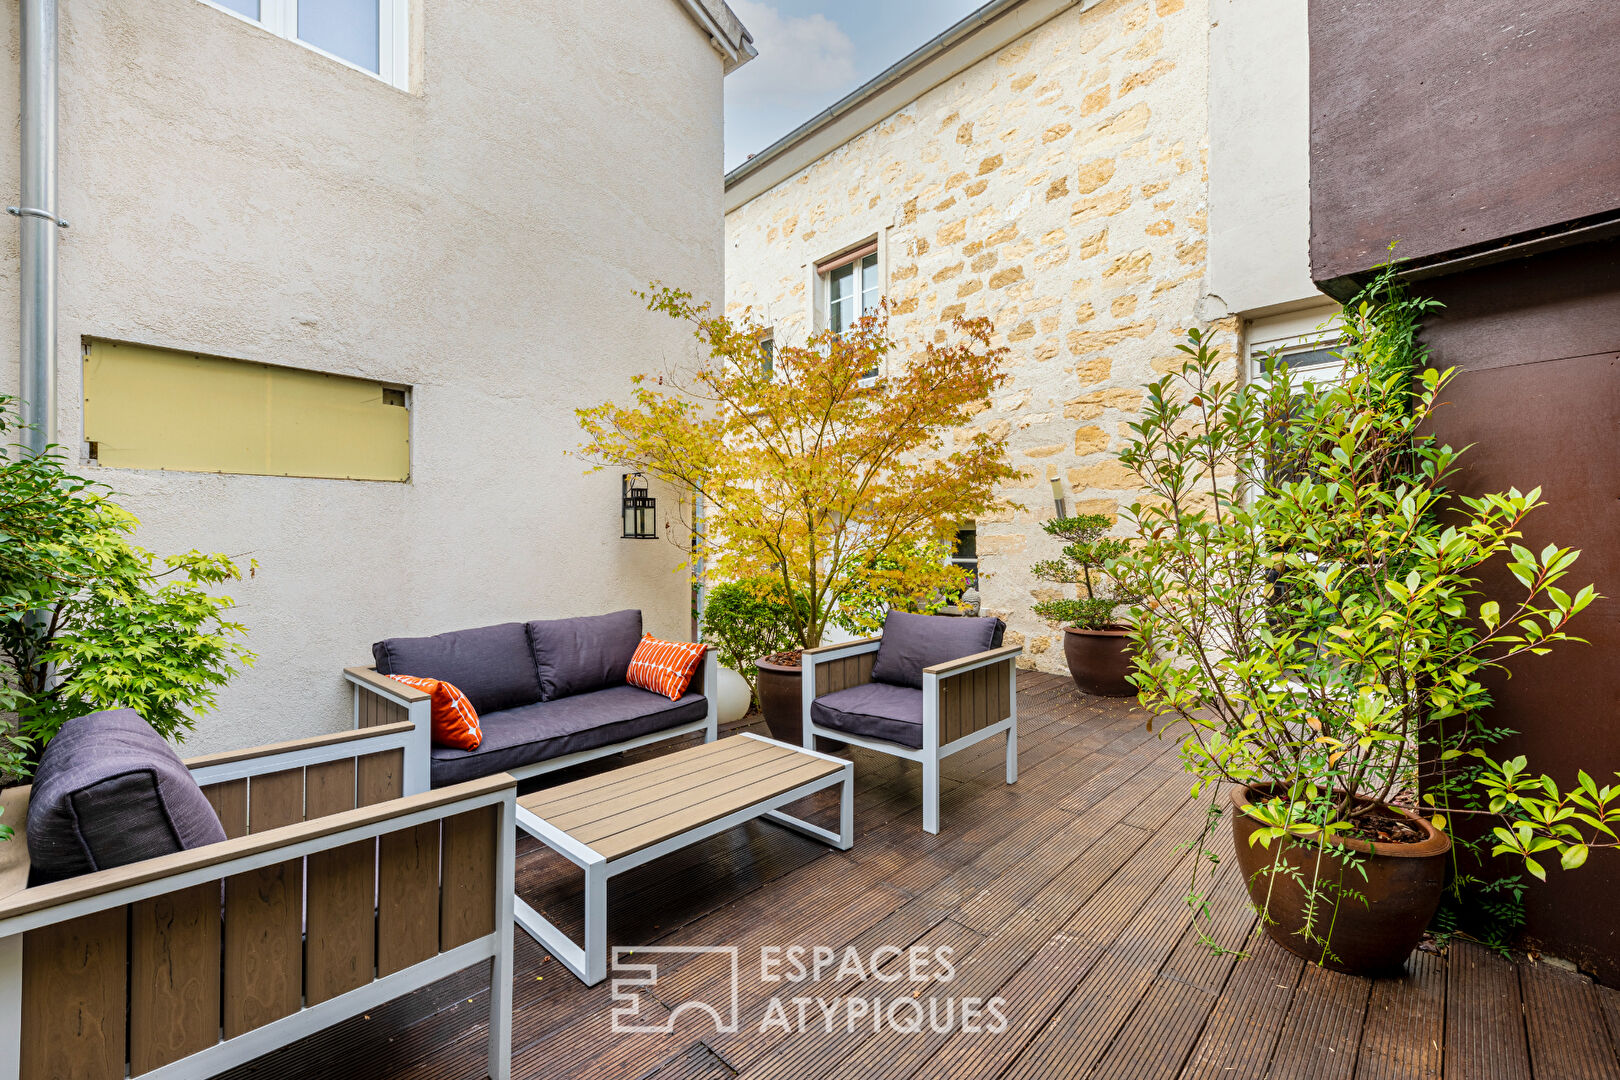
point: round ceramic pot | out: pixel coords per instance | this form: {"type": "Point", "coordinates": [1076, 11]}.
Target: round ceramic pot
{"type": "Point", "coordinates": [1099, 660]}
{"type": "Point", "coordinates": [780, 701]}
{"type": "Point", "coordinates": [1402, 888]}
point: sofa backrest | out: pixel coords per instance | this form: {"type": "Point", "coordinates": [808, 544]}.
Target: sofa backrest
{"type": "Point", "coordinates": [109, 791]}
{"type": "Point", "coordinates": [577, 656]}
{"type": "Point", "coordinates": [492, 665]}
{"type": "Point", "coordinates": [913, 642]}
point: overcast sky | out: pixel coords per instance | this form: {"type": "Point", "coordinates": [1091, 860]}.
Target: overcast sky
{"type": "Point", "coordinates": [813, 52]}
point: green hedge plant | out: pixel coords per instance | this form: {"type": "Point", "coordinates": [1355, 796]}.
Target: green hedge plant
{"type": "Point", "coordinates": [748, 620]}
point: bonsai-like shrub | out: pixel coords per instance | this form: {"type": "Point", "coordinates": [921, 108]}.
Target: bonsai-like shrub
{"type": "Point", "coordinates": [1312, 606]}
{"type": "Point", "coordinates": [1085, 557]}
{"type": "Point", "coordinates": [838, 486]}
{"type": "Point", "coordinates": [91, 620]}
{"type": "Point", "coordinates": [747, 620]}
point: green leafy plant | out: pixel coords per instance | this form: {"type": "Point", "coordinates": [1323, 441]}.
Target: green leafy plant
{"type": "Point", "coordinates": [747, 620]}
{"type": "Point", "coordinates": [91, 620]}
{"type": "Point", "coordinates": [1312, 609]}
{"type": "Point", "coordinates": [1086, 553]}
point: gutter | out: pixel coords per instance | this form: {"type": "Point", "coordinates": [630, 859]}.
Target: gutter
{"type": "Point", "coordinates": [37, 220]}
{"type": "Point", "coordinates": [995, 25]}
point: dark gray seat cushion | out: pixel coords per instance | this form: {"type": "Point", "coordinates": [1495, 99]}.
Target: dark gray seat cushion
{"type": "Point", "coordinates": [492, 665]}
{"type": "Point", "coordinates": [109, 791]}
{"type": "Point", "coordinates": [877, 710]}
{"type": "Point", "coordinates": [576, 656]}
{"type": "Point", "coordinates": [550, 729]}
{"type": "Point", "coordinates": [913, 642]}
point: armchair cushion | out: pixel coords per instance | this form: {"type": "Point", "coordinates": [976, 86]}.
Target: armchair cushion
{"type": "Point", "coordinates": [577, 656]}
{"type": "Point", "coordinates": [109, 791]}
{"type": "Point", "coordinates": [492, 665]}
{"type": "Point", "coordinates": [876, 710]}
{"type": "Point", "coordinates": [913, 642]}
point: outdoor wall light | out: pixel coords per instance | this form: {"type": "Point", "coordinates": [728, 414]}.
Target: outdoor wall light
{"type": "Point", "coordinates": [640, 509]}
{"type": "Point", "coordinates": [1057, 496]}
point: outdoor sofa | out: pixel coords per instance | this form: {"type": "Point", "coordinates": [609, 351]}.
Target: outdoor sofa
{"type": "Point", "coordinates": [548, 694]}
{"type": "Point", "coordinates": [161, 918]}
{"type": "Point", "coordinates": [930, 686]}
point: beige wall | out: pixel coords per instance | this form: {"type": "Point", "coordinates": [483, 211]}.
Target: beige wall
{"type": "Point", "coordinates": [478, 238]}
{"type": "Point", "coordinates": [1058, 187]}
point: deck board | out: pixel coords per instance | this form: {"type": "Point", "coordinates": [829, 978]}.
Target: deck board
{"type": "Point", "coordinates": [1063, 894]}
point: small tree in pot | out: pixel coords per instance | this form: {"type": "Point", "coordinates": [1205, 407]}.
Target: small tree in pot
{"type": "Point", "coordinates": [825, 470]}
{"type": "Point", "coordinates": [1096, 646]}
{"type": "Point", "coordinates": [1312, 612]}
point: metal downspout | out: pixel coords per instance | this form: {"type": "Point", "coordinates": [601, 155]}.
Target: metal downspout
{"type": "Point", "coordinates": [37, 219]}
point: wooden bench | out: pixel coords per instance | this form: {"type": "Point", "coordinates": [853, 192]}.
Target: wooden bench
{"type": "Point", "coordinates": [609, 823]}
{"type": "Point", "coordinates": [331, 895]}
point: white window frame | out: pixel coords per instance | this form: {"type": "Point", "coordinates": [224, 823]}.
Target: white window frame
{"type": "Point", "coordinates": [822, 291]}
{"type": "Point", "coordinates": [280, 17]}
{"type": "Point", "coordinates": [1297, 332]}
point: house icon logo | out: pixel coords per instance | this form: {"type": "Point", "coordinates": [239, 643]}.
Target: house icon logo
{"type": "Point", "coordinates": [720, 1002]}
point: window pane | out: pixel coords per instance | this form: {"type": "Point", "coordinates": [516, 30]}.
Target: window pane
{"type": "Point", "coordinates": [840, 294]}
{"type": "Point", "coordinates": [1311, 357]}
{"type": "Point", "coordinates": [346, 28]}
{"type": "Point", "coordinates": [869, 285]}
{"type": "Point", "coordinates": [250, 8]}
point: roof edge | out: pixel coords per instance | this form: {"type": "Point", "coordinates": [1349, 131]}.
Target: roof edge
{"type": "Point", "coordinates": [981, 34]}
{"type": "Point", "coordinates": [727, 34]}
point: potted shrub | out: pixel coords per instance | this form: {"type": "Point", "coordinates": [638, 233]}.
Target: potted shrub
{"type": "Point", "coordinates": [839, 489]}
{"type": "Point", "coordinates": [1312, 614]}
{"type": "Point", "coordinates": [747, 622]}
{"type": "Point", "coordinates": [1096, 647]}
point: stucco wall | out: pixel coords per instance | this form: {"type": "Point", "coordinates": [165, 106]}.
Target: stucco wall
{"type": "Point", "coordinates": [1058, 187]}
{"type": "Point", "coordinates": [478, 238]}
{"type": "Point", "coordinates": [1259, 155]}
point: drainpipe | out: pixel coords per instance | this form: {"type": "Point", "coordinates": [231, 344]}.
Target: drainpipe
{"type": "Point", "coordinates": [38, 222]}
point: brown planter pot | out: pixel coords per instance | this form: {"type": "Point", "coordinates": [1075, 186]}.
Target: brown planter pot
{"type": "Point", "coordinates": [1402, 890]}
{"type": "Point", "coordinates": [780, 701]}
{"type": "Point", "coordinates": [1099, 660]}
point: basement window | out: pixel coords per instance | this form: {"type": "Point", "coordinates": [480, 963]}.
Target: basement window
{"type": "Point", "coordinates": [147, 408]}
{"type": "Point", "coordinates": [372, 35]}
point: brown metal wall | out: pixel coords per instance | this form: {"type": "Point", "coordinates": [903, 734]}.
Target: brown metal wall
{"type": "Point", "coordinates": [1539, 399]}
{"type": "Point", "coordinates": [1451, 123]}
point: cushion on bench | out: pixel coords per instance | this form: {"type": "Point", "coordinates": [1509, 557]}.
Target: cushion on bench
{"type": "Point", "coordinates": [913, 642]}
{"type": "Point", "coordinates": [876, 710]}
{"type": "Point", "coordinates": [576, 656]}
{"type": "Point", "coordinates": [551, 729]}
{"type": "Point", "coordinates": [492, 665]}
{"type": "Point", "coordinates": [109, 791]}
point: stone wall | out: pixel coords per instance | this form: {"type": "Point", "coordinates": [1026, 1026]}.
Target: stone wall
{"type": "Point", "coordinates": [1057, 187]}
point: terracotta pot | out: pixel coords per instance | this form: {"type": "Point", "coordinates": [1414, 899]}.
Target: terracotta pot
{"type": "Point", "coordinates": [1099, 660]}
{"type": "Point", "coordinates": [1402, 890]}
{"type": "Point", "coordinates": [779, 700]}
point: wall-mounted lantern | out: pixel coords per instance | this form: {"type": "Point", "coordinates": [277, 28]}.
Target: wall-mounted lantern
{"type": "Point", "coordinates": [1057, 496]}
{"type": "Point", "coordinates": [640, 509]}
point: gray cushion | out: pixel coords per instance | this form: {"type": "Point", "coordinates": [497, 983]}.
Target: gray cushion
{"type": "Point", "coordinates": [109, 791]}
{"type": "Point", "coordinates": [576, 656]}
{"type": "Point", "coordinates": [913, 642]}
{"type": "Point", "coordinates": [550, 729]}
{"type": "Point", "coordinates": [492, 665]}
{"type": "Point", "coordinates": [878, 710]}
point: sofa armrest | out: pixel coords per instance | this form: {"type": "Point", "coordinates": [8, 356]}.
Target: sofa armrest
{"type": "Point", "coordinates": [312, 751]}
{"type": "Point", "coordinates": [368, 679]}
{"type": "Point", "coordinates": [822, 653]}
{"type": "Point", "coordinates": [14, 862]}
{"type": "Point", "coordinates": [975, 660]}
{"type": "Point", "coordinates": [380, 701]}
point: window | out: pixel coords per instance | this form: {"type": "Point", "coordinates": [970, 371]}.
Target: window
{"type": "Point", "coordinates": [147, 408]}
{"type": "Point", "coordinates": [1305, 341]}
{"type": "Point", "coordinates": [373, 35]}
{"type": "Point", "coordinates": [767, 353]}
{"type": "Point", "coordinates": [851, 286]}
{"type": "Point", "coordinates": [966, 552]}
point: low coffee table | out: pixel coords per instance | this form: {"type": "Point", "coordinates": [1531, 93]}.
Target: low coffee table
{"type": "Point", "coordinates": [609, 823]}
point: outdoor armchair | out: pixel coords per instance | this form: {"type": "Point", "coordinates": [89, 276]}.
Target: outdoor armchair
{"type": "Point", "coordinates": [907, 695]}
{"type": "Point", "coordinates": [330, 895]}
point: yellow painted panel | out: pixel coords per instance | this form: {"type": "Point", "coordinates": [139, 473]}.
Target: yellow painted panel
{"type": "Point", "coordinates": [148, 408]}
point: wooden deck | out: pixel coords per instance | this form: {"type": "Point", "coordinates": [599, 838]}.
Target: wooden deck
{"type": "Point", "coordinates": [1062, 895]}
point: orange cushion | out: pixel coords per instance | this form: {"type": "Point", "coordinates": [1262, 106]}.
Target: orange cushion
{"type": "Point", "coordinates": [455, 721]}
{"type": "Point", "coordinates": [664, 667]}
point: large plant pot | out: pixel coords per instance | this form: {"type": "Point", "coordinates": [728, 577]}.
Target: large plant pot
{"type": "Point", "coordinates": [1099, 660]}
{"type": "Point", "coordinates": [780, 700]}
{"type": "Point", "coordinates": [1402, 887]}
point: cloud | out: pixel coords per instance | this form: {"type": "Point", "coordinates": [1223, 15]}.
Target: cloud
{"type": "Point", "coordinates": [803, 62]}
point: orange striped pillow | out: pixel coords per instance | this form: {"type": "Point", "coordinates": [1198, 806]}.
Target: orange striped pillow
{"type": "Point", "coordinates": [455, 721]}
{"type": "Point", "coordinates": [664, 667]}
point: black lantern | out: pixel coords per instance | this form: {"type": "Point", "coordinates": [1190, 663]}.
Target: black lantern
{"type": "Point", "coordinates": [640, 509]}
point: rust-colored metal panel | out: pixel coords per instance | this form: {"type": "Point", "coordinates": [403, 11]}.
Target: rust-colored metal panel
{"type": "Point", "coordinates": [1539, 399]}
{"type": "Point", "coordinates": [1452, 123]}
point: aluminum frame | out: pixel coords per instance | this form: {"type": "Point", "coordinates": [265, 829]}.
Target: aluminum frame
{"type": "Point", "coordinates": [588, 961]}
{"type": "Point", "coordinates": [932, 752]}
